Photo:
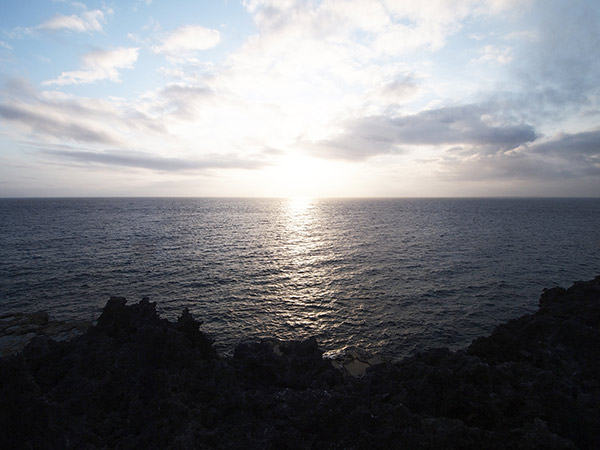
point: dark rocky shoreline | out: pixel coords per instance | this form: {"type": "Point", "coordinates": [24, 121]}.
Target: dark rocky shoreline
{"type": "Point", "coordinates": [135, 380]}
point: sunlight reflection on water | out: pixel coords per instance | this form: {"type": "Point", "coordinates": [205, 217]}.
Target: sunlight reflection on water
{"type": "Point", "coordinates": [395, 274]}
{"type": "Point", "coordinates": [304, 246]}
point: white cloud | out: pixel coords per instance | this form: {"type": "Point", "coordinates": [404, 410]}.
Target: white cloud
{"type": "Point", "coordinates": [494, 54]}
{"type": "Point", "coordinates": [321, 63]}
{"type": "Point", "coordinates": [99, 65]}
{"type": "Point", "coordinates": [400, 38]}
{"type": "Point", "coordinates": [526, 35]}
{"type": "Point", "coordinates": [349, 86]}
{"type": "Point", "coordinates": [363, 31]}
{"type": "Point", "coordinates": [433, 11]}
{"type": "Point", "coordinates": [504, 6]}
{"type": "Point", "coordinates": [125, 135]}
{"type": "Point", "coordinates": [87, 21]}
{"type": "Point", "coordinates": [182, 43]}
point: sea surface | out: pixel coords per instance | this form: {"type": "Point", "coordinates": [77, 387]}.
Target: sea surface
{"type": "Point", "coordinates": [389, 276]}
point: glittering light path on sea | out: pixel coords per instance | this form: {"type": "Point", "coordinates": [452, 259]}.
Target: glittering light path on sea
{"type": "Point", "coordinates": [390, 275]}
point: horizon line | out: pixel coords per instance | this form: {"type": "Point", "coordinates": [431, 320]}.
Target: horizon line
{"type": "Point", "coordinates": [224, 197]}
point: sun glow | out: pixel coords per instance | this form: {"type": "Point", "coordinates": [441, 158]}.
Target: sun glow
{"type": "Point", "coordinates": [299, 205]}
{"type": "Point", "coordinates": [267, 98]}
{"type": "Point", "coordinates": [299, 176]}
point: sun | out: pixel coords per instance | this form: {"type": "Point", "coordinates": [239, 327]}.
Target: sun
{"type": "Point", "coordinates": [302, 178]}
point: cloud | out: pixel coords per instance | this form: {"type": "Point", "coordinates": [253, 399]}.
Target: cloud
{"type": "Point", "coordinates": [141, 160]}
{"type": "Point", "coordinates": [398, 90]}
{"type": "Point", "coordinates": [56, 116]}
{"type": "Point", "coordinates": [165, 124]}
{"type": "Point", "coordinates": [387, 28]}
{"type": "Point", "coordinates": [564, 156]}
{"type": "Point", "coordinates": [59, 127]}
{"type": "Point", "coordinates": [98, 65]}
{"type": "Point", "coordinates": [576, 149]}
{"type": "Point", "coordinates": [559, 68]}
{"type": "Point", "coordinates": [340, 56]}
{"type": "Point", "coordinates": [182, 101]}
{"type": "Point", "coordinates": [470, 125]}
{"type": "Point", "coordinates": [88, 21]}
{"type": "Point", "coordinates": [105, 133]}
{"type": "Point", "coordinates": [184, 42]}
{"type": "Point", "coordinates": [381, 85]}
{"type": "Point", "coordinates": [495, 55]}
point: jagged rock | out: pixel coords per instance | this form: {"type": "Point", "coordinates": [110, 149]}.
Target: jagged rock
{"type": "Point", "coordinates": [17, 330]}
{"type": "Point", "coordinates": [138, 381]}
{"type": "Point", "coordinates": [355, 362]}
{"type": "Point", "coordinates": [292, 364]}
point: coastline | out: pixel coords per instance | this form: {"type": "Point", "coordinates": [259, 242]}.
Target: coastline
{"type": "Point", "coordinates": [135, 380]}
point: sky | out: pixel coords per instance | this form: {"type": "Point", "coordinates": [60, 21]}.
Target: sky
{"type": "Point", "coordinates": [309, 98]}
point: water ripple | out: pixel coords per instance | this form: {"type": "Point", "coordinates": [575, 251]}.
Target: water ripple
{"type": "Point", "coordinates": [385, 275]}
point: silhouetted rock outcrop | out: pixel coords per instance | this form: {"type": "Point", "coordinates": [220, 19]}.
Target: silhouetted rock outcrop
{"type": "Point", "coordinates": [138, 381]}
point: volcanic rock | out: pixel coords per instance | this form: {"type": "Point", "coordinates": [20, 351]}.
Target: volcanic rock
{"type": "Point", "coordinates": [137, 381]}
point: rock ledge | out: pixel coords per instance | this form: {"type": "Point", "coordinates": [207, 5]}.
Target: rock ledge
{"type": "Point", "coordinates": [135, 380]}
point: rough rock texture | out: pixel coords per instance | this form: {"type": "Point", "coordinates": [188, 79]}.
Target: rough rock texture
{"type": "Point", "coordinates": [138, 381]}
{"type": "Point", "coordinates": [17, 330]}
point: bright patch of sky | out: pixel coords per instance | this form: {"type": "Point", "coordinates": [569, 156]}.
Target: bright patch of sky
{"type": "Point", "coordinates": [300, 98]}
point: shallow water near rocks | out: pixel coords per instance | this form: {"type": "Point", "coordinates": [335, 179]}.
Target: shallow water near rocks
{"type": "Point", "coordinates": [389, 275]}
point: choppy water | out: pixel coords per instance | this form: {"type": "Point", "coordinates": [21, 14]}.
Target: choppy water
{"type": "Point", "coordinates": [384, 275]}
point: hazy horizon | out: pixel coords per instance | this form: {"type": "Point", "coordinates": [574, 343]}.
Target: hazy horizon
{"type": "Point", "coordinates": [304, 197]}
{"type": "Point", "coordinates": [300, 98]}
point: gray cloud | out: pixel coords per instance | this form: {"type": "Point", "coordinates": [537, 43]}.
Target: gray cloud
{"type": "Point", "coordinates": [48, 125]}
{"type": "Point", "coordinates": [399, 89]}
{"type": "Point", "coordinates": [469, 125]}
{"type": "Point", "coordinates": [557, 73]}
{"type": "Point", "coordinates": [566, 156]}
{"type": "Point", "coordinates": [578, 153]}
{"type": "Point", "coordinates": [182, 100]}
{"type": "Point", "coordinates": [78, 119]}
{"type": "Point", "coordinates": [585, 144]}
{"type": "Point", "coordinates": [140, 160]}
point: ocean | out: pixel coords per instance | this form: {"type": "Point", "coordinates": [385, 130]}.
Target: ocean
{"type": "Point", "coordinates": [389, 276]}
